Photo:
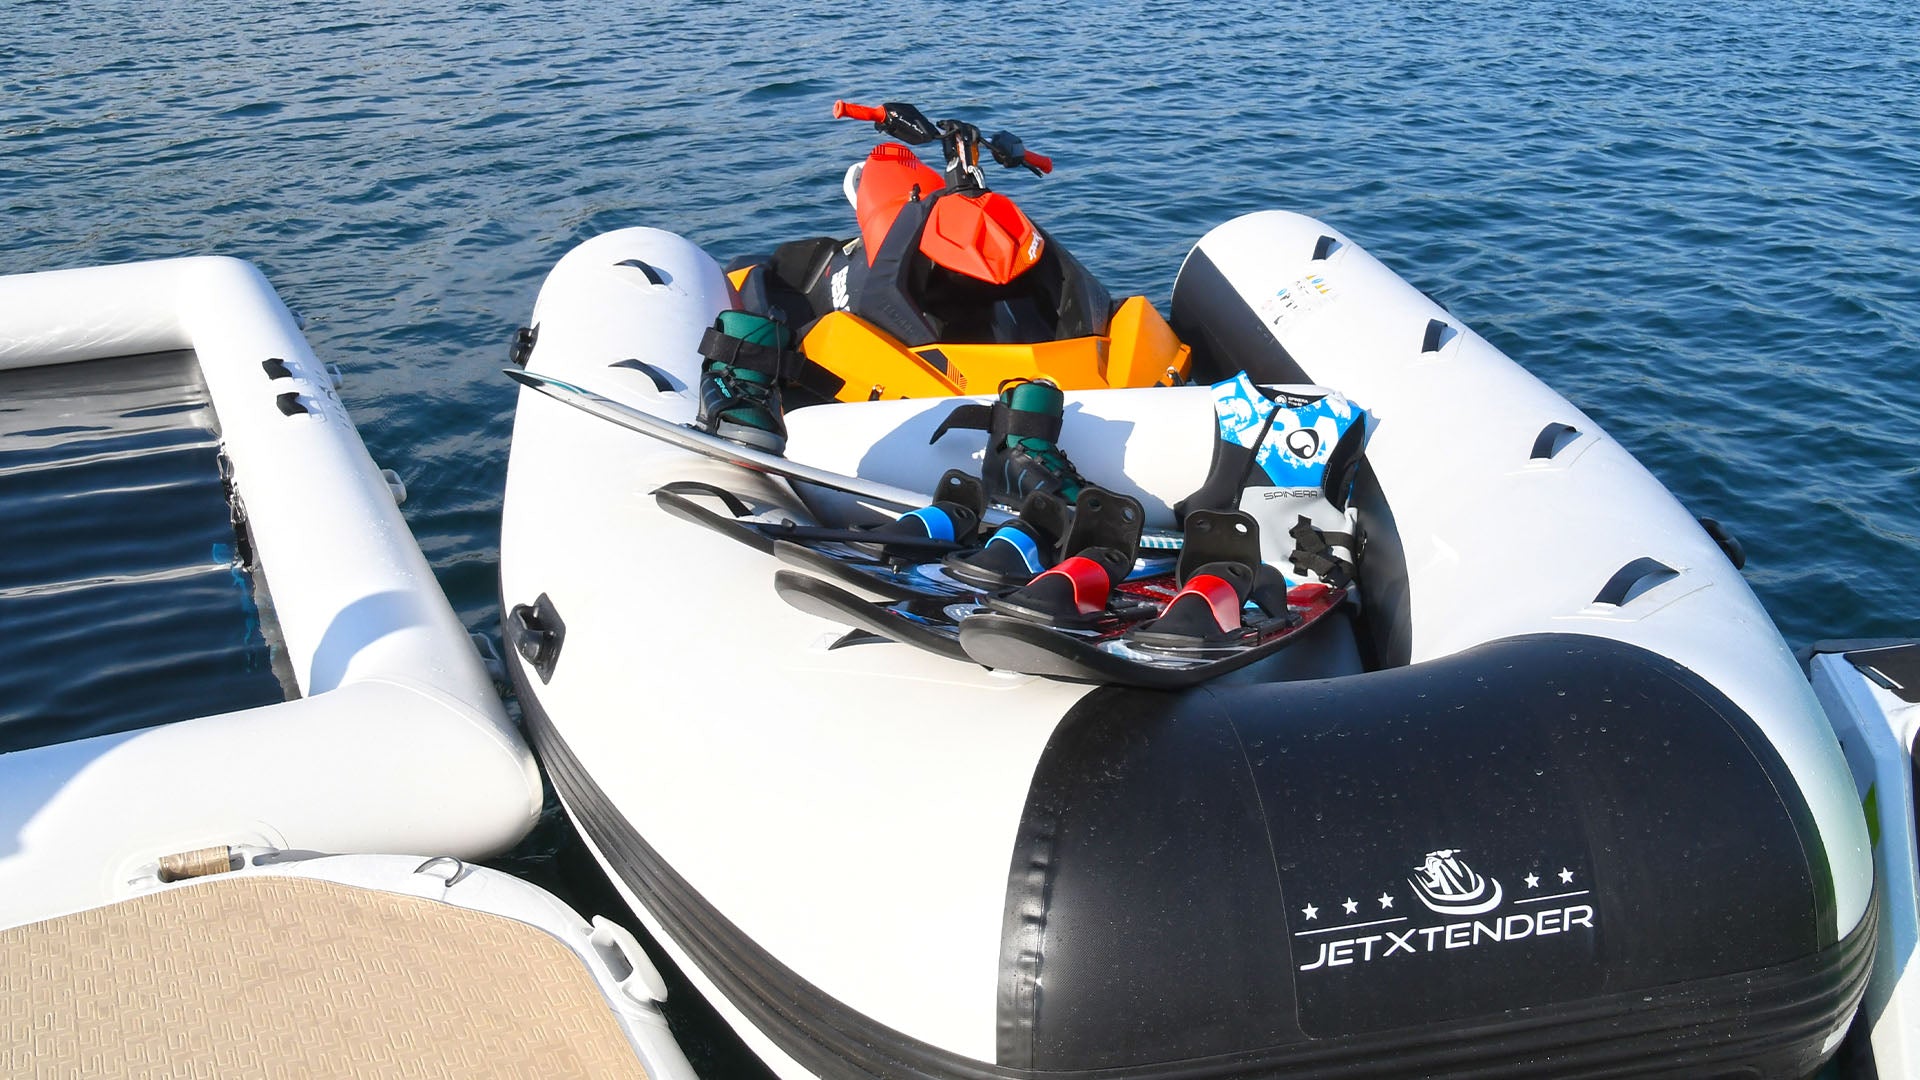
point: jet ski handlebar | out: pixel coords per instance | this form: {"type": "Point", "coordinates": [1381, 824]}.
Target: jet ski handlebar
{"type": "Point", "coordinates": [908, 124]}
{"type": "Point", "coordinates": [846, 109]}
{"type": "Point", "coordinates": [1009, 151]}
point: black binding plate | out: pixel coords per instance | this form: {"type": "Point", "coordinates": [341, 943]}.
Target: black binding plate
{"type": "Point", "coordinates": [1010, 644]}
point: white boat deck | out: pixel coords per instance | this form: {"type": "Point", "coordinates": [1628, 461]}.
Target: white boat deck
{"type": "Point", "coordinates": [287, 976]}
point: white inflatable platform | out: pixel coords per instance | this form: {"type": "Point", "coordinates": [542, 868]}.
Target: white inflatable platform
{"type": "Point", "coordinates": [397, 740]}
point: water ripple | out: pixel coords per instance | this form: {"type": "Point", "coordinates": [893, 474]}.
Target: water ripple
{"type": "Point", "coordinates": [1694, 225]}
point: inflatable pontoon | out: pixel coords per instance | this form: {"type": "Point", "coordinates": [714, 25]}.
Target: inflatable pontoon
{"type": "Point", "coordinates": [1550, 797]}
{"type": "Point", "coordinates": [396, 740]}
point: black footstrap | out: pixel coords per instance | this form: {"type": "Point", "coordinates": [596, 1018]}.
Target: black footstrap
{"type": "Point", "coordinates": [969, 417]}
{"type": "Point", "coordinates": [999, 420]}
{"type": "Point", "coordinates": [734, 504]}
{"type": "Point", "coordinates": [788, 366]}
{"type": "Point", "coordinates": [1270, 594]}
{"type": "Point", "coordinates": [721, 347]}
{"type": "Point", "coordinates": [1228, 474]}
{"type": "Point", "coordinates": [1313, 553]}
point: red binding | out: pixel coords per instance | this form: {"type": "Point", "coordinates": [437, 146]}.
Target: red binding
{"type": "Point", "coordinates": [1219, 595]}
{"type": "Point", "coordinates": [1091, 585]}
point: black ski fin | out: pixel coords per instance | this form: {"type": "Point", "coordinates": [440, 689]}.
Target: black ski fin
{"type": "Point", "coordinates": [829, 601]}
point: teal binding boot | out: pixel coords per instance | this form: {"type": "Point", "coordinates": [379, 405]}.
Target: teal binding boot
{"type": "Point", "coordinates": [747, 358]}
{"type": "Point", "coordinates": [1023, 452]}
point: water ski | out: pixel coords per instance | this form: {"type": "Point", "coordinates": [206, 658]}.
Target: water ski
{"type": "Point", "coordinates": [1011, 644]}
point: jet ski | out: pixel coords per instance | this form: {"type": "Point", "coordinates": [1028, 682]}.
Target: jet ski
{"type": "Point", "coordinates": [1539, 790]}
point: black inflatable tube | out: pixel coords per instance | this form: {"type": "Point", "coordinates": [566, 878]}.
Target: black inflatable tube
{"type": "Point", "coordinates": [1763, 1020]}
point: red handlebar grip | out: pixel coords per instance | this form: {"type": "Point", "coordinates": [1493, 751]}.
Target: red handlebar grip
{"type": "Point", "coordinates": [858, 112]}
{"type": "Point", "coordinates": [1040, 161]}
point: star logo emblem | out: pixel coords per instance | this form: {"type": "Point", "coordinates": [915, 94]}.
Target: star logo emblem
{"type": "Point", "coordinates": [1386, 900]}
{"type": "Point", "coordinates": [1351, 907]}
{"type": "Point", "coordinates": [1310, 911]}
{"type": "Point", "coordinates": [1533, 881]}
{"type": "Point", "coordinates": [1566, 876]}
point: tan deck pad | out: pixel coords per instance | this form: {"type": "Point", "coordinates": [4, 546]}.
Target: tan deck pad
{"type": "Point", "coordinates": [292, 977]}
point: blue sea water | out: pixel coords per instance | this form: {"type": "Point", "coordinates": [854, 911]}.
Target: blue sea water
{"type": "Point", "coordinates": [1699, 223]}
{"type": "Point", "coordinates": [122, 575]}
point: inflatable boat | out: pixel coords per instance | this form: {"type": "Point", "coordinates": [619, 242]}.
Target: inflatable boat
{"type": "Point", "coordinates": [1545, 794]}
{"type": "Point", "coordinates": [230, 961]}
{"type": "Point", "coordinates": [393, 737]}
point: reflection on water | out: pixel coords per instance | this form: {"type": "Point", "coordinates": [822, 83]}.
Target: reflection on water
{"type": "Point", "coordinates": [122, 601]}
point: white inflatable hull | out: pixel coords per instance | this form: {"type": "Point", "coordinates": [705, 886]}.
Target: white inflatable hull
{"type": "Point", "coordinates": [398, 740]}
{"type": "Point", "coordinates": [874, 858]}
